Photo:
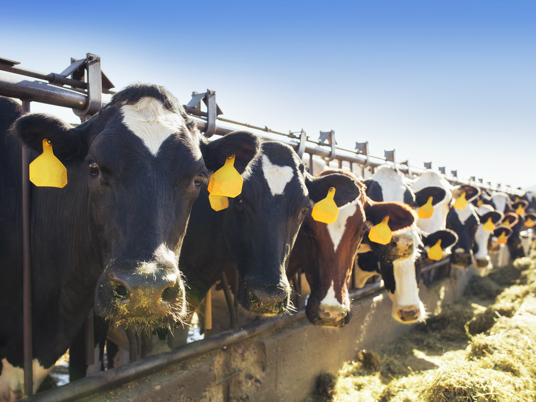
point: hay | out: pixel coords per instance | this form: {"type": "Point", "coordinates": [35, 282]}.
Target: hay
{"type": "Point", "coordinates": [478, 349]}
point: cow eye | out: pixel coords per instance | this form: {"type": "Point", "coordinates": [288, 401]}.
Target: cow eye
{"type": "Point", "coordinates": [305, 211]}
{"type": "Point", "coordinates": [200, 179]}
{"type": "Point", "coordinates": [93, 169]}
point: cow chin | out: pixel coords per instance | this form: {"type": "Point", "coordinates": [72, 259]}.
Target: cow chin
{"type": "Point", "coordinates": [483, 263]}
{"type": "Point", "coordinates": [461, 260]}
{"type": "Point", "coordinates": [409, 315]}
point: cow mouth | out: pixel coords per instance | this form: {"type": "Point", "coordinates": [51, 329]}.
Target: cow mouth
{"type": "Point", "coordinates": [267, 309]}
{"type": "Point", "coordinates": [321, 316]}
{"type": "Point", "coordinates": [482, 262]}
{"type": "Point", "coordinates": [141, 311]}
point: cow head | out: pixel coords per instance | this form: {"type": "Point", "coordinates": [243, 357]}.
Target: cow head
{"type": "Point", "coordinates": [327, 251]}
{"type": "Point", "coordinates": [134, 172]}
{"type": "Point", "coordinates": [488, 218]}
{"type": "Point", "coordinates": [432, 189]}
{"type": "Point", "coordinates": [464, 223]}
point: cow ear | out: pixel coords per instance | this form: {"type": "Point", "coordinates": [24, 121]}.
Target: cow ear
{"type": "Point", "coordinates": [511, 218]}
{"type": "Point", "coordinates": [494, 215]}
{"type": "Point", "coordinates": [67, 142]}
{"type": "Point", "coordinates": [374, 190]}
{"type": "Point", "coordinates": [242, 144]}
{"type": "Point", "coordinates": [448, 238]}
{"type": "Point", "coordinates": [502, 229]}
{"type": "Point", "coordinates": [422, 196]}
{"type": "Point", "coordinates": [471, 192]}
{"type": "Point", "coordinates": [400, 215]}
{"type": "Point", "coordinates": [346, 188]}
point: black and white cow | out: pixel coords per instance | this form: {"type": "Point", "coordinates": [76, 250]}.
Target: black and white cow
{"type": "Point", "coordinates": [483, 233]}
{"type": "Point", "coordinates": [395, 261]}
{"type": "Point", "coordinates": [258, 229]}
{"type": "Point", "coordinates": [112, 236]}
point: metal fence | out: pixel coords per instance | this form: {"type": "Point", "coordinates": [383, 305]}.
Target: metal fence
{"type": "Point", "coordinates": [80, 87]}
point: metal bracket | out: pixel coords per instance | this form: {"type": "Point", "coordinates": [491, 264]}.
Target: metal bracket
{"type": "Point", "coordinates": [363, 149]}
{"type": "Point", "coordinates": [442, 169]}
{"type": "Point", "coordinates": [213, 110]}
{"type": "Point", "coordinates": [329, 136]}
{"type": "Point", "coordinates": [472, 178]}
{"type": "Point", "coordinates": [301, 146]}
{"type": "Point", "coordinates": [482, 181]}
{"type": "Point", "coordinates": [428, 165]}
{"type": "Point", "coordinates": [390, 157]}
{"type": "Point", "coordinates": [92, 65]}
{"type": "Point", "coordinates": [454, 173]}
{"type": "Point", "coordinates": [406, 163]}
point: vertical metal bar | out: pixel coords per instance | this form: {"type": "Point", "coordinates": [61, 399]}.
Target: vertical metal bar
{"type": "Point", "coordinates": [229, 300]}
{"type": "Point", "coordinates": [132, 344]}
{"type": "Point", "coordinates": [208, 313]}
{"type": "Point", "coordinates": [90, 339]}
{"type": "Point", "coordinates": [26, 267]}
{"type": "Point", "coordinates": [235, 288]}
{"type": "Point", "coordinates": [311, 164]}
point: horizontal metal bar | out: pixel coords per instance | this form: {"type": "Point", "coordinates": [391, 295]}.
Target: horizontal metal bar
{"type": "Point", "coordinates": [16, 87]}
{"type": "Point", "coordinates": [52, 77]}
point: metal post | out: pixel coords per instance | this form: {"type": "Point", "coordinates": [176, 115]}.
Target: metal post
{"type": "Point", "coordinates": [228, 299]}
{"type": "Point", "coordinates": [208, 313]}
{"type": "Point", "coordinates": [26, 267]}
{"type": "Point", "coordinates": [90, 339]}
{"type": "Point", "coordinates": [235, 288]}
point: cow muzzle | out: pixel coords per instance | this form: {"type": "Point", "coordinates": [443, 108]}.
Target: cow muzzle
{"type": "Point", "coordinates": [328, 315]}
{"type": "Point", "coordinates": [265, 299]}
{"type": "Point", "coordinates": [141, 296]}
{"type": "Point", "coordinates": [461, 259]}
{"type": "Point", "coordinates": [408, 315]}
{"type": "Point", "coordinates": [482, 262]}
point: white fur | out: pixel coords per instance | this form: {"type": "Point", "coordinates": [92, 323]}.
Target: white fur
{"type": "Point", "coordinates": [331, 299]}
{"type": "Point", "coordinates": [391, 182]}
{"type": "Point", "coordinates": [336, 229]}
{"type": "Point", "coordinates": [152, 122]}
{"type": "Point", "coordinates": [438, 221]}
{"type": "Point", "coordinates": [407, 290]}
{"type": "Point", "coordinates": [481, 236]}
{"type": "Point", "coordinates": [499, 200]}
{"type": "Point", "coordinates": [464, 214]}
{"type": "Point", "coordinates": [12, 380]}
{"type": "Point", "coordinates": [276, 176]}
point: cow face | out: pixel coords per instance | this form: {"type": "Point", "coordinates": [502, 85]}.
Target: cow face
{"type": "Point", "coordinates": [327, 251]}
{"type": "Point", "coordinates": [262, 223]}
{"type": "Point", "coordinates": [464, 223]}
{"type": "Point", "coordinates": [135, 170]}
{"type": "Point", "coordinates": [483, 235]}
{"type": "Point", "coordinates": [432, 184]}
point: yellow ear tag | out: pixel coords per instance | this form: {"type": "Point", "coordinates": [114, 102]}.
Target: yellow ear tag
{"type": "Point", "coordinates": [489, 226]}
{"type": "Point", "coordinates": [326, 210]}
{"type": "Point", "coordinates": [427, 210]}
{"type": "Point", "coordinates": [529, 223]}
{"type": "Point", "coordinates": [217, 202]}
{"type": "Point", "coordinates": [436, 252]}
{"type": "Point", "coordinates": [520, 210]}
{"type": "Point", "coordinates": [502, 238]}
{"type": "Point", "coordinates": [47, 170]}
{"type": "Point", "coordinates": [226, 181]}
{"type": "Point", "coordinates": [479, 203]}
{"type": "Point", "coordinates": [381, 233]}
{"type": "Point", "coordinates": [517, 199]}
{"type": "Point", "coordinates": [506, 223]}
{"type": "Point", "coordinates": [461, 202]}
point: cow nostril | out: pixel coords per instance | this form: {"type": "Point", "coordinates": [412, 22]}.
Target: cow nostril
{"type": "Point", "coordinates": [170, 294]}
{"type": "Point", "coordinates": [120, 291]}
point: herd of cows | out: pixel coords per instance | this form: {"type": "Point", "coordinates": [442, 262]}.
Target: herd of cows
{"type": "Point", "coordinates": [135, 232]}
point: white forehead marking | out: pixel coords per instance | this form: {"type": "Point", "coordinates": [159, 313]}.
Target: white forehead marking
{"type": "Point", "coordinates": [152, 122]}
{"type": "Point", "coordinates": [336, 229]}
{"type": "Point", "coordinates": [406, 289]}
{"type": "Point", "coordinates": [276, 176]}
{"type": "Point", "coordinates": [500, 202]}
{"type": "Point", "coordinates": [481, 239]}
{"type": "Point", "coordinates": [464, 214]}
{"type": "Point", "coordinates": [392, 184]}
{"type": "Point", "coordinates": [331, 299]}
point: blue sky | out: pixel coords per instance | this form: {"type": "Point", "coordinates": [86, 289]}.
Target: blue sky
{"type": "Point", "coordinates": [453, 82]}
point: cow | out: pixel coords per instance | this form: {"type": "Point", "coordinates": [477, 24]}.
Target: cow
{"type": "Point", "coordinates": [326, 252]}
{"type": "Point", "coordinates": [111, 237]}
{"type": "Point", "coordinates": [257, 231]}
{"type": "Point", "coordinates": [395, 261]}
{"type": "Point", "coordinates": [432, 184]}
{"type": "Point", "coordinates": [488, 219]}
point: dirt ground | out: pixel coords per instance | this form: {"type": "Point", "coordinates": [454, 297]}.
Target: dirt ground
{"type": "Point", "coordinates": [474, 350]}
